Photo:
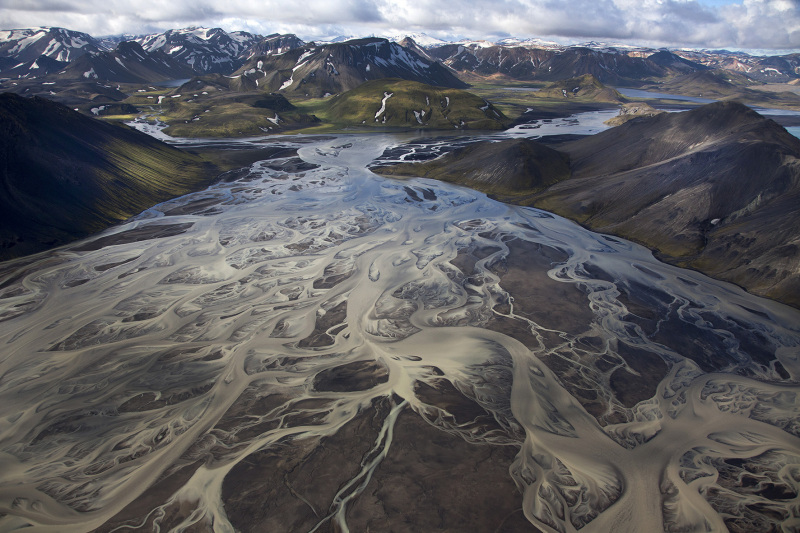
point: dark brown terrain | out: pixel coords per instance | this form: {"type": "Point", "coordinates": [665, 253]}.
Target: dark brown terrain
{"type": "Point", "coordinates": [715, 189]}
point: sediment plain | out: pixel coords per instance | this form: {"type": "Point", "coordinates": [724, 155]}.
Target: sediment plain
{"type": "Point", "coordinates": [312, 347]}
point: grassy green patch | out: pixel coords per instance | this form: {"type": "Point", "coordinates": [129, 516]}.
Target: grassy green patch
{"type": "Point", "coordinates": [585, 88]}
{"type": "Point", "coordinates": [411, 105]}
{"type": "Point", "coordinates": [229, 114]}
{"type": "Point", "coordinates": [119, 118]}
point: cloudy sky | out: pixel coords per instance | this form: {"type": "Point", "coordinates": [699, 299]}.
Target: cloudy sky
{"type": "Point", "coordinates": [737, 24]}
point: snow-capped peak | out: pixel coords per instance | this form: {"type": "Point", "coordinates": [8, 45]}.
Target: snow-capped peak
{"type": "Point", "coordinates": [422, 39]}
{"type": "Point", "coordinates": [26, 44]}
{"type": "Point", "coordinates": [608, 47]}
{"type": "Point", "coordinates": [530, 43]}
{"type": "Point", "coordinates": [475, 44]}
{"type": "Point", "coordinates": [205, 50]}
{"type": "Point", "coordinates": [335, 39]}
{"type": "Point", "coordinates": [22, 33]}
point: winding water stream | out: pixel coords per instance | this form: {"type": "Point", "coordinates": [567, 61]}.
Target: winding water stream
{"type": "Point", "coordinates": [315, 348]}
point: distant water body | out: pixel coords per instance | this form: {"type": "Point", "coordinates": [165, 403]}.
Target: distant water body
{"type": "Point", "coordinates": [768, 112]}
{"type": "Point", "coordinates": [638, 93]}
{"type": "Point", "coordinates": [171, 83]}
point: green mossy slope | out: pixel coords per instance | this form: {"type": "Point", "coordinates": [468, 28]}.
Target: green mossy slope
{"type": "Point", "coordinates": [64, 175]}
{"type": "Point", "coordinates": [412, 105]}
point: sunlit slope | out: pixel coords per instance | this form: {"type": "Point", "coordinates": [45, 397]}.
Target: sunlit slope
{"type": "Point", "coordinates": [394, 102]}
{"type": "Point", "coordinates": [582, 88]}
{"type": "Point", "coordinates": [206, 107]}
{"type": "Point", "coordinates": [65, 175]}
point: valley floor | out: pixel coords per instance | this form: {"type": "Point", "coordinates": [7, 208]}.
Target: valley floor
{"type": "Point", "coordinates": [310, 347]}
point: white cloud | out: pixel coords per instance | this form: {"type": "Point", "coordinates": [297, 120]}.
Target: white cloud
{"type": "Point", "coordinates": [765, 23]}
{"type": "Point", "coordinates": [772, 24]}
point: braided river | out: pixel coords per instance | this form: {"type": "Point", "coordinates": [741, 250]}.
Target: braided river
{"type": "Point", "coordinates": [307, 346]}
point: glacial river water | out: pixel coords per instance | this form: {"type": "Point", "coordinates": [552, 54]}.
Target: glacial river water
{"type": "Point", "coordinates": [314, 348]}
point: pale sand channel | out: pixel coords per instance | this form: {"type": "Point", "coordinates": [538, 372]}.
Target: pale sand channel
{"type": "Point", "coordinates": [315, 348]}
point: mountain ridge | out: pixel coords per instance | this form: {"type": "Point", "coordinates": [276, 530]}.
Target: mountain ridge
{"type": "Point", "coordinates": [127, 63]}
{"type": "Point", "coordinates": [204, 50]}
{"type": "Point", "coordinates": [65, 175]}
{"type": "Point", "coordinates": [715, 189]}
{"type": "Point", "coordinates": [213, 50]}
{"type": "Point", "coordinates": [328, 69]}
{"type": "Point", "coordinates": [702, 187]}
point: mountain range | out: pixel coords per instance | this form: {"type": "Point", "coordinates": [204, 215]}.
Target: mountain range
{"type": "Point", "coordinates": [56, 43]}
{"type": "Point", "coordinates": [127, 63]}
{"type": "Point", "coordinates": [213, 50]}
{"type": "Point", "coordinates": [524, 63]}
{"type": "Point", "coordinates": [203, 50]}
{"type": "Point", "coordinates": [333, 68]}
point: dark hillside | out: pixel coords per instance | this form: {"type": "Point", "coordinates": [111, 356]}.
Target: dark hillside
{"type": "Point", "coordinates": [64, 175]}
{"type": "Point", "coordinates": [716, 188]}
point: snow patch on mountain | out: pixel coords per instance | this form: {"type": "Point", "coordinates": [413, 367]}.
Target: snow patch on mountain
{"type": "Point", "coordinates": [205, 50]}
{"type": "Point", "coordinates": [386, 96]}
{"type": "Point", "coordinates": [288, 83]}
{"type": "Point", "coordinates": [306, 54]}
{"type": "Point", "coordinates": [27, 44]}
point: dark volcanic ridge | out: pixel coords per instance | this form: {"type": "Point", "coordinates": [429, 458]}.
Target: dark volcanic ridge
{"type": "Point", "coordinates": [715, 189]}
{"type": "Point", "coordinates": [505, 168]}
